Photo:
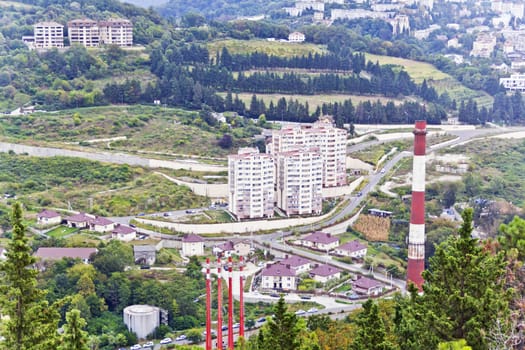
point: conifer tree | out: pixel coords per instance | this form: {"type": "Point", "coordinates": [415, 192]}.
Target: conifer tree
{"type": "Point", "coordinates": [32, 323]}
{"type": "Point", "coordinates": [371, 333]}
{"type": "Point", "coordinates": [74, 338]}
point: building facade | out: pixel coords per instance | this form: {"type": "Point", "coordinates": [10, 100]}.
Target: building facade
{"type": "Point", "coordinates": [516, 82]}
{"type": "Point", "coordinates": [251, 184]}
{"type": "Point", "coordinates": [116, 31]}
{"type": "Point", "coordinates": [330, 141]}
{"type": "Point", "coordinates": [48, 35]}
{"type": "Point", "coordinates": [299, 182]}
{"type": "Point", "coordinates": [278, 277]}
{"type": "Point", "coordinates": [84, 32]}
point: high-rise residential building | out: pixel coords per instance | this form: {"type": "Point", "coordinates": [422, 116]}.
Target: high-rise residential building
{"type": "Point", "coordinates": [251, 184]}
{"type": "Point", "coordinates": [330, 141]}
{"type": "Point", "coordinates": [116, 31]}
{"type": "Point", "coordinates": [48, 35]}
{"type": "Point", "coordinates": [84, 32]}
{"type": "Point", "coordinates": [299, 181]}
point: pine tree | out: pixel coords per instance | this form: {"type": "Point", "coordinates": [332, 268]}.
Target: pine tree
{"type": "Point", "coordinates": [32, 323]}
{"type": "Point", "coordinates": [74, 337]}
{"type": "Point", "coordinates": [371, 333]}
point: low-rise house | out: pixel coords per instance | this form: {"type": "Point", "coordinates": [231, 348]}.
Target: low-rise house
{"type": "Point", "coordinates": [353, 249]}
{"type": "Point", "coordinates": [80, 220]}
{"type": "Point", "coordinates": [278, 277]}
{"type": "Point", "coordinates": [367, 286]}
{"type": "Point", "coordinates": [296, 37]}
{"type": "Point", "coordinates": [124, 233]}
{"type": "Point", "coordinates": [325, 273]}
{"type": "Point", "coordinates": [233, 247]}
{"type": "Point", "coordinates": [100, 224]}
{"type": "Point", "coordinates": [55, 253]}
{"type": "Point", "coordinates": [297, 264]}
{"type": "Point", "coordinates": [48, 217]}
{"type": "Point", "coordinates": [192, 244]}
{"type": "Point", "coordinates": [144, 254]}
{"type": "Point", "coordinates": [320, 241]}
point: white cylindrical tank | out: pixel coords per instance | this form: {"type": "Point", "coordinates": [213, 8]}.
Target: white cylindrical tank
{"type": "Point", "coordinates": [142, 319]}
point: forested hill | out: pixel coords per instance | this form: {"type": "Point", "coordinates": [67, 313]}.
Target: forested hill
{"type": "Point", "coordinates": [221, 9]}
{"type": "Point", "coordinates": [16, 21]}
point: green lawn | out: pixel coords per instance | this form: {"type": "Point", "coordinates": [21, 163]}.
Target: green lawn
{"type": "Point", "coordinates": [276, 48]}
{"type": "Point", "coordinates": [62, 231]}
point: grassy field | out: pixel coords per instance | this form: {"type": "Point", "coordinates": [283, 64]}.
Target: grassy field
{"type": "Point", "coordinates": [276, 48]}
{"type": "Point", "coordinates": [439, 80]}
{"type": "Point", "coordinates": [315, 101]}
{"type": "Point", "coordinates": [145, 128]}
{"type": "Point", "coordinates": [62, 231]}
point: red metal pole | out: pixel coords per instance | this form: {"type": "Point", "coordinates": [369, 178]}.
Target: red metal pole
{"type": "Point", "coordinates": [241, 299]}
{"type": "Point", "coordinates": [208, 305]}
{"type": "Point", "coordinates": [230, 304]}
{"type": "Point", "coordinates": [219, 306]}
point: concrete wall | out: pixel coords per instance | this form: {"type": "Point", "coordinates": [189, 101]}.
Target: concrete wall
{"type": "Point", "coordinates": [209, 190]}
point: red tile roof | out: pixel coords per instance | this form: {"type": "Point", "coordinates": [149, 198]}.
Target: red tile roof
{"type": "Point", "coordinates": [100, 221]}
{"type": "Point", "coordinates": [278, 269]}
{"type": "Point", "coordinates": [123, 229]}
{"type": "Point", "coordinates": [59, 253]}
{"type": "Point", "coordinates": [366, 283]}
{"type": "Point", "coordinates": [321, 237]}
{"type": "Point", "coordinates": [80, 217]}
{"type": "Point", "coordinates": [353, 246]}
{"type": "Point", "coordinates": [295, 261]}
{"type": "Point", "coordinates": [192, 238]}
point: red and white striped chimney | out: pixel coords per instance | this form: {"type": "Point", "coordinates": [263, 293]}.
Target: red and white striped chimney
{"type": "Point", "coordinates": [416, 233]}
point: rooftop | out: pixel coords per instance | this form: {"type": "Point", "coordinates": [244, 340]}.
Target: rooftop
{"type": "Point", "coordinates": [352, 246]}
{"type": "Point", "coordinates": [101, 221]}
{"type": "Point", "coordinates": [278, 269]}
{"type": "Point", "coordinates": [192, 238]}
{"type": "Point", "coordinates": [325, 270]}
{"type": "Point", "coordinates": [52, 253]}
{"type": "Point", "coordinates": [46, 213]}
{"type": "Point", "coordinates": [366, 283]}
{"type": "Point", "coordinates": [321, 237]}
{"type": "Point", "coordinates": [80, 217]}
{"type": "Point", "coordinates": [123, 229]}
{"type": "Point", "coordinates": [295, 261]}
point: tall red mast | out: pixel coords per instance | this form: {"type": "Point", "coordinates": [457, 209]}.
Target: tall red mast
{"type": "Point", "coordinates": [208, 305]}
{"type": "Point", "coordinates": [241, 298]}
{"type": "Point", "coordinates": [230, 304]}
{"type": "Point", "coordinates": [219, 305]}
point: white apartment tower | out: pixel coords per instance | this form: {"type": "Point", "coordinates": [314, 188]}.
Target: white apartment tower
{"type": "Point", "coordinates": [330, 141]}
{"type": "Point", "coordinates": [300, 181]}
{"type": "Point", "coordinates": [251, 184]}
{"type": "Point", "coordinates": [84, 32]}
{"type": "Point", "coordinates": [48, 35]}
{"type": "Point", "coordinates": [116, 31]}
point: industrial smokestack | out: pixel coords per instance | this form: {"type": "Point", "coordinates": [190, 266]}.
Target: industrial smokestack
{"type": "Point", "coordinates": [208, 305]}
{"type": "Point", "coordinates": [241, 298]}
{"type": "Point", "coordinates": [230, 304]}
{"type": "Point", "coordinates": [416, 233]}
{"type": "Point", "coordinates": [219, 305]}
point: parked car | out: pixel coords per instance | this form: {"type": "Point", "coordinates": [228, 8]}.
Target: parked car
{"type": "Point", "coordinates": [306, 297]}
{"type": "Point", "coordinates": [191, 211]}
{"type": "Point", "coordinates": [149, 344]}
{"type": "Point", "coordinates": [169, 340]}
{"type": "Point", "coordinates": [236, 325]}
{"type": "Point", "coordinates": [312, 310]}
{"type": "Point", "coordinates": [179, 338]}
{"type": "Point", "coordinates": [300, 312]}
{"type": "Point", "coordinates": [261, 320]}
{"type": "Point", "coordinates": [135, 347]}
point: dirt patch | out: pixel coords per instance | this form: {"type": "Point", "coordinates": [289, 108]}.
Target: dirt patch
{"type": "Point", "coordinates": [374, 228]}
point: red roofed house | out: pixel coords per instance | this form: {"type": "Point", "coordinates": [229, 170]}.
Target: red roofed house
{"type": "Point", "coordinates": [80, 220]}
{"type": "Point", "coordinates": [240, 247]}
{"type": "Point", "coordinates": [367, 286]}
{"type": "Point", "coordinates": [192, 244]}
{"type": "Point", "coordinates": [59, 253]}
{"type": "Point", "coordinates": [320, 241]}
{"type": "Point", "coordinates": [325, 273]}
{"type": "Point", "coordinates": [124, 233]}
{"type": "Point", "coordinates": [100, 224]}
{"type": "Point", "coordinates": [48, 217]}
{"type": "Point", "coordinates": [298, 264]}
{"type": "Point", "coordinates": [353, 249]}
{"type": "Point", "coordinates": [278, 277]}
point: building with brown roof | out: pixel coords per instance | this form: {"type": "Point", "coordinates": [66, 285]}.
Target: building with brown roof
{"type": "Point", "coordinates": [80, 220]}
{"type": "Point", "coordinates": [240, 247]}
{"type": "Point", "coordinates": [84, 32]}
{"type": "Point", "coordinates": [353, 249]}
{"type": "Point", "coordinates": [297, 264]}
{"type": "Point", "coordinates": [278, 277]}
{"type": "Point", "coordinates": [116, 31]}
{"type": "Point", "coordinates": [192, 244]}
{"type": "Point", "coordinates": [48, 217]}
{"type": "Point", "coordinates": [320, 241]}
{"type": "Point", "coordinates": [367, 286]}
{"type": "Point", "coordinates": [124, 233]}
{"type": "Point", "coordinates": [325, 273]}
{"type": "Point", "coordinates": [101, 224]}
{"type": "Point", "coordinates": [55, 253]}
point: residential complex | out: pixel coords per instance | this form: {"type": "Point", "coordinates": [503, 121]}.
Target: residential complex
{"type": "Point", "coordinates": [116, 31]}
{"type": "Point", "coordinates": [299, 181]}
{"type": "Point", "coordinates": [84, 32]}
{"type": "Point", "coordinates": [251, 184]}
{"type": "Point", "coordinates": [48, 35]}
{"type": "Point", "coordinates": [516, 82]}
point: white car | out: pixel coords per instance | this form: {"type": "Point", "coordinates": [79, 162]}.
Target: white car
{"type": "Point", "coordinates": [149, 344]}
{"type": "Point", "coordinates": [135, 347]}
{"type": "Point", "coordinates": [169, 340]}
{"type": "Point", "coordinates": [300, 312]}
{"type": "Point", "coordinates": [312, 310]}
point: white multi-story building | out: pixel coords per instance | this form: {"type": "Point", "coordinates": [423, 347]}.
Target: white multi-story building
{"type": "Point", "coordinates": [48, 35]}
{"type": "Point", "coordinates": [251, 184]}
{"type": "Point", "coordinates": [116, 31]}
{"type": "Point", "coordinates": [484, 45]}
{"type": "Point", "coordinates": [330, 141]}
{"type": "Point", "coordinates": [299, 181]}
{"type": "Point", "coordinates": [84, 32]}
{"type": "Point", "coordinates": [514, 8]}
{"type": "Point", "coordinates": [516, 82]}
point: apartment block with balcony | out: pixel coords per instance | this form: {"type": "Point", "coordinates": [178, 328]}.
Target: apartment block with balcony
{"type": "Point", "coordinates": [299, 181]}
{"type": "Point", "coordinates": [251, 184]}
{"type": "Point", "coordinates": [330, 141]}
{"type": "Point", "coordinates": [116, 31]}
{"type": "Point", "coordinates": [84, 32]}
{"type": "Point", "coordinates": [48, 35]}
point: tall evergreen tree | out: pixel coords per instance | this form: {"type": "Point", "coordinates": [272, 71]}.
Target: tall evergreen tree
{"type": "Point", "coordinates": [74, 338]}
{"type": "Point", "coordinates": [371, 333]}
{"type": "Point", "coordinates": [32, 323]}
